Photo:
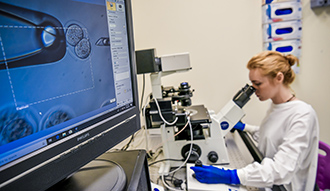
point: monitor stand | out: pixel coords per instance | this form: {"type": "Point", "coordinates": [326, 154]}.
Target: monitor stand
{"type": "Point", "coordinates": [99, 174]}
{"type": "Point", "coordinates": [112, 171]}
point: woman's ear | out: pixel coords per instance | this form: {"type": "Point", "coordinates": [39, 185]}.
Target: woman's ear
{"type": "Point", "coordinates": [279, 77]}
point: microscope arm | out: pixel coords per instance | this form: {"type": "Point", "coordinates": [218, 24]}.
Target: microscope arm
{"type": "Point", "coordinates": [156, 83]}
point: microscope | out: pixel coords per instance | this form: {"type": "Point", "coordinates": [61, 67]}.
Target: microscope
{"type": "Point", "coordinates": [209, 130]}
{"type": "Point", "coordinates": [171, 110]}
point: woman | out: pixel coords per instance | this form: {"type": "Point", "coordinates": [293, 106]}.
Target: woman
{"type": "Point", "coordinates": [288, 136]}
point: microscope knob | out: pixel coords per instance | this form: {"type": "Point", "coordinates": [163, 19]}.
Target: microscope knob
{"type": "Point", "coordinates": [213, 156]}
{"type": "Point", "coordinates": [193, 156]}
{"type": "Point", "coordinates": [195, 153]}
{"type": "Point", "coordinates": [198, 163]}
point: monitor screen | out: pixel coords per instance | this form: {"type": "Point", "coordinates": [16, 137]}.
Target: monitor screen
{"type": "Point", "coordinates": [68, 86]}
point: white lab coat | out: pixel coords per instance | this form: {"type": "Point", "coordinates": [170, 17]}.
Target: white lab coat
{"type": "Point", "coordinates": [288, 138]}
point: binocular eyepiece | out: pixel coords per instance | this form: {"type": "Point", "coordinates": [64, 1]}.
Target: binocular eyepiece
{"type": "Point", "coordinates": [243, 95]}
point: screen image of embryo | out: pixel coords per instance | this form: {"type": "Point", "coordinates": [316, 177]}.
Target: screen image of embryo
{"type": "Point", "coordinates": [52, 67]}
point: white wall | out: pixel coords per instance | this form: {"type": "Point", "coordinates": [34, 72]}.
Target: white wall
{"type": "Point", "coordinates": [221, 36]}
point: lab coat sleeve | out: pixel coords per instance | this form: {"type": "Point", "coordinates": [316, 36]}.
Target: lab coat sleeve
{"type": "Point", "coordinates": [280, 169]}
{"type": "Point", "coordinates": [253, 130]}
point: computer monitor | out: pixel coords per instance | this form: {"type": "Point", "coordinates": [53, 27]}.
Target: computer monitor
{"type": "Point", "coordinates": [67, 85]}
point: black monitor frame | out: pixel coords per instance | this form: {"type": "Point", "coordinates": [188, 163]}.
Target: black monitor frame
{"type": "Point", "coordinates": [55, 164]}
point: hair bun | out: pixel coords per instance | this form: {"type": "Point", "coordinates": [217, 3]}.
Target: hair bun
{"type": "Point", "coordinates": [292, 59]}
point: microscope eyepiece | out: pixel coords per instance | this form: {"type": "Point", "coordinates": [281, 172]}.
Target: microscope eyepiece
{"type": "Point", "coordinates": [250, 90]}
{"type": "Point", "coordinates": [243, 96]}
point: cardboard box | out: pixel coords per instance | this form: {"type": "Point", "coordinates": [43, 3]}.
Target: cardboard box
{"type": "Point", "coordinates": [285, 46]}
{"type": "Point", "coordinates": [282, 31]}
{"type": "Point", "coordinates": [284, 11]}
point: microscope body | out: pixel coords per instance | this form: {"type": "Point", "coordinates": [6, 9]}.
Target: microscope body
{"type": "Point", "coordinates": [208, 141]}
{"type": "Point", "coordinates": [209, 146]}
{"type": "Point", "coordinates": [209, 130]}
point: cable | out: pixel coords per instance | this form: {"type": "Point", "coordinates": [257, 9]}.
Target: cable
{"type": "Point", "coordinates": [157, 152]}
{"type": "Point", "coordinates": [191, 147]}
{"type": "Point", "coordinates": [145, 106]}
{"type": "Point", "coordinates": [145, 126]}
{"type": "Point", "coordinates": [143, 89]}
{"type": "Point", "coordinates": [177, 182]}
{"type": "Point", "coordinates": [127, 145]}
{"type": "Point", "coordinates": [161, 116]}
{"type": "Point", "coordinates": [174, 135]}
{"type": "Point", "coordinates": [181, 130]}
{"type": "Point", "coordinates": [147, 138]}
{"type": "Point", "coordinates": [190, 150]}
{"type": "Point", "coordinates": [162, 160]}
{"type": "Point", "coordinates": [131, 141]}
{"type": "Point", "coordinates": [167, 186]}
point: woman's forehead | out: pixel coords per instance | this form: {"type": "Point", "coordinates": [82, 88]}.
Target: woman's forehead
{"type": "Point", "coordinates": [256, 75]}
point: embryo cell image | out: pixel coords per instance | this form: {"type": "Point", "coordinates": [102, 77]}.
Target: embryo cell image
{"type": "Point", "coordinates": [16, 124]}
{"type": "Point", "coordinates": [55, 116]}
